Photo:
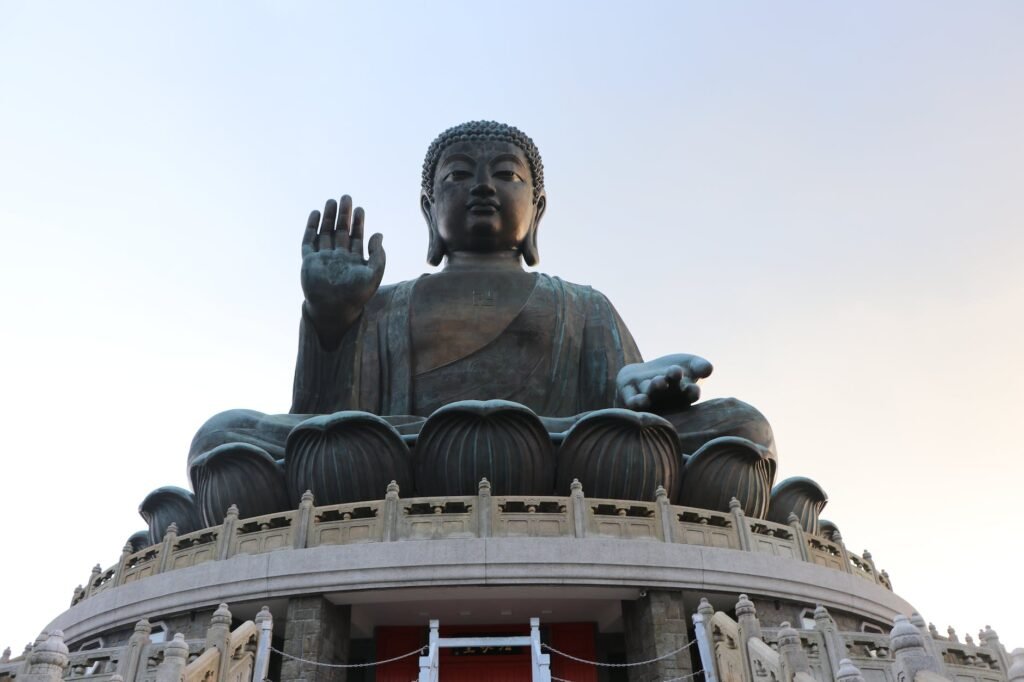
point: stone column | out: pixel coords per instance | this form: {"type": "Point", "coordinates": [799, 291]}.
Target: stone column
{"type": "Point", "coordinates": [909, 653]}
{"type": "Point", "coordinates": [172, 669]}
{"type": "Point", "coordinates": [315, 630]}
{"type": "Point", "coordinates": [131, 659]}
{"type": "Point", "coordinates": [655, 624]}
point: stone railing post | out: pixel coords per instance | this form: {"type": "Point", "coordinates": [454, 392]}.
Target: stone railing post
{"type": "Point", "coordinates": [951, 634]}
{"type": "Point", "coordinates": [835, 648]}
{"type": "Point", "coordinates": [265, 622]}
{"type": "Point", "coordinates": [218, 636]}
{"type": "Point", "coordinates": [929, 644]}
{"type": "Point", "coordinates": [48, 660]}
{"type": "Point", "coordinates": [844, 555]}
{"type": "Point", "coordinates": [739, 519]}
{"type": "Point", "coordinates": [126, 552]}
{"type": "Point", "coordinates": [579, 509]}
{"type": "Point", "coordinates": [1016, 671]}
{"type": "Point", "coordinates": [750, 628]}
{"type": "Point", "coordinates": [390, 530]}
{"type": "Point", "coordinates": [167, 549]}
{"type": "Point", "coordinates": [172, 669]}
{"type": "Point", "coordinates": [848, 672]}
{"type": "Point", "coordinates": [990, 640]}
{"type": "Point", "coordinates": [705, 639]}
{"type": "Point", "coordinates": [799, 537]}
{"type": "Point", "coordinates": [303, 521]}
{"type": "Point", "coordinates": [791, 653]}
{"type": "Point", "coordinates": [90, 586]}
{"type": "Point", "coordinates": [483, 509]}
{"type": "Point", "coordinates": [131, 660]}
{"type": "Point", "coordinates": [665, 512]}
{"type": "Point", "coordinates": [866, 556]}
{"type": "Point", "coordinates": [541, 662]}
{"type": "Point", "coordinates": [5, 657]}
{"type": "Point", "coordinates": [907, 645]}
{"type": "Point", "coordinates": [78, 595]}
{"type": "Point", "coordinates": [226, 536]}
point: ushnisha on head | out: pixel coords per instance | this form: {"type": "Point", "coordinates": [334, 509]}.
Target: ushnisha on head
{"type": "Point", "coordinates": [483, 192]}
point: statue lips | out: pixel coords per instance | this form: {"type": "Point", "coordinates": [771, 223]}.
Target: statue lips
{"type": "Point", "coordinates": [483, 206]}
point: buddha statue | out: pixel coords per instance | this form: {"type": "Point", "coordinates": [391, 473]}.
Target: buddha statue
{"type": "Point", "coordinates": [481, 369]}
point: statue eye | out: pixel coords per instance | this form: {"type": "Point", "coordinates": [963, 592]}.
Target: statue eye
{"type": "Point", "coordinates": [458, 175]}
{"type": "Point", "coordinates": [508, 176]}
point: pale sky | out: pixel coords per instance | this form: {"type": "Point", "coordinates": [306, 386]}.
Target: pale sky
{"type": "Point", "coordinates": [823, 199]}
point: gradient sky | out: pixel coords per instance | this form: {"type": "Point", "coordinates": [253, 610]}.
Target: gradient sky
{"type": "Point", "coordinates": [826, 200]}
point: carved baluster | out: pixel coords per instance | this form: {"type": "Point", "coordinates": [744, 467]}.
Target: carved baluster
{"type": "Point", "coordinates": [951, 633]}
{"type": "Point", "coordinates": [990, 640]}
{"type": "Point", "coordinates": [265, 622]}
{"type": "Point", "coordinates": [870, 564]}
{"type": "Point", "coordinates": [126, 552]}
{"type": "Point", "coordinates": [909, 652]}
{"type": "Point", "coordinates": [665, 512]}
{"type": "Point", "coordinates": [483, 509]}
{"type": "Point", "coordinates": [705, 639]}
{"type": "Point", "coordinates": [167, 548]}
{"type": "Point", "coordinates": [90, 587]}
{"type": "Point", "coordinates": [48, 660]}
{"type": "Point", "coordinates": [739, 520]}
{"type": "Point", "coordinates": [78, 595]}
{"type": "Point", "coordinates": [750, 628]}
{"type": "Point", "coordinates": [172, 669]}
{"type": "Point", "coordinates": [579, 508]}
{"type": "Point", "coordinates": [218, 636]}
{"type": "Point", "coordinates": [791, 652]}
{"type": "Point", "coordinates": [848, 672]}
{"type": "Point", "coordinates": [835, 648]}
{"type": "Point", "coordinates": [390, 530]}
{"type": "Point", "coordinates": [929, 643]}
{"type": "Point", "coordinates": [131, 662]}
{"type": "Point", "coordinates": [798, 536]}
{"type": "Point", "coordinates": [844, 554]}
{"type": "Point", "coordinates": [226, 536]}
{"type": "Point", "coordinates": [6, 656]}
{"type": "Point", "coordinates": [304, 521]}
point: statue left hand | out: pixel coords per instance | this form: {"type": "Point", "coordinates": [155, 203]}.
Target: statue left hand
{"type": "Point", "coordinates": [665, 384]}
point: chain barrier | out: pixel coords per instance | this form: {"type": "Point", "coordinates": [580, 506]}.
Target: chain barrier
{"type": "Point", "coordinates": [619, 665]}
{"type": "Point", "coordinates": [422, 651]}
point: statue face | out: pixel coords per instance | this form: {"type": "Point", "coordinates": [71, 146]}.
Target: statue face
{"type": "Point", "coordinates": [483, 198]}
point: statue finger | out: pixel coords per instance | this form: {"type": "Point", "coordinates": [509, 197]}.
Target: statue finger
{"type": "Point", "coordinates": [627, 393]}
{"type": "Point", "coordinates": [659, 384]}
{"type": "Point", "coordinates": [674, 374]}
{"type": "Point", "coordinates": [377, 257]}
{"type": "Point", "coordinates": [309, 236]}
{"type": "Point", "coordinates": [325, 240]}
{"type": "Point", "coordinates": [691, 393]}
{"type": "Point", "coordinates": [645, 386]}
{"type": "Point", "coordinates": [356, 243]}
{"type": "Point", "coordinates": [700, 368]}
{"type": "Point", "coordinates": [639, 402]}
{"type": "Point", "coordinates": [341, 239]}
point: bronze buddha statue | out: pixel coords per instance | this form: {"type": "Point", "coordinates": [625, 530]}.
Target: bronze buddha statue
{"type": "Point", "coordinates": [506, 359]}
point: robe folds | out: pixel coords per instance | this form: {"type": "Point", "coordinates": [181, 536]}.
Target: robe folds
{"type": "Point", "coordinates": [559, 356]}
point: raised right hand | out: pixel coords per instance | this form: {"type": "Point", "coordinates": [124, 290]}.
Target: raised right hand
{"type": "Point", "coordinates": [336, 280]}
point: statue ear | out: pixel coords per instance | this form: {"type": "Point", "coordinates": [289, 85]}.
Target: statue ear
{"type": "Point", "coordinates": [435, 245]}
{"type": "Point", "coordinates": [531, 255]}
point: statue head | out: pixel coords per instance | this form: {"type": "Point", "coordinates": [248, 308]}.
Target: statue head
{"type": "Point", "coordinates": [483, 191]}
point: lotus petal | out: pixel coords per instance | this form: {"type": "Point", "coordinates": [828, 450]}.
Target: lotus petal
{"type": "Point", "coordinates": [800, 496]}
{"type": "Point", "coordinates": [620, 454]}
{"type": "Point", "coordinates": [239, 474]}
{"type": "Point", "coordinates": [728, 467]}
{"type": "Point", "coordinates": [167, 505]}
{"type": "Point", "coordinates": [345, 457]}
{"type": "Point", "coordinates": [499, 440]}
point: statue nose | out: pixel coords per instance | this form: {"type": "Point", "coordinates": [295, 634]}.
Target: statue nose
{"type": "Point", "coordinates": [483, 188]}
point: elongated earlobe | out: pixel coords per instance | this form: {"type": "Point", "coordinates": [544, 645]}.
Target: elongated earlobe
{"type": "Point", "coordinates": [435, 245]}
{"type": "Point", "coordinates": [531, 254]}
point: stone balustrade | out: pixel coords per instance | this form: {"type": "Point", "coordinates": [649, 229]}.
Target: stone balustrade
{"type": "Point", "coordinates": [483, 515]}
